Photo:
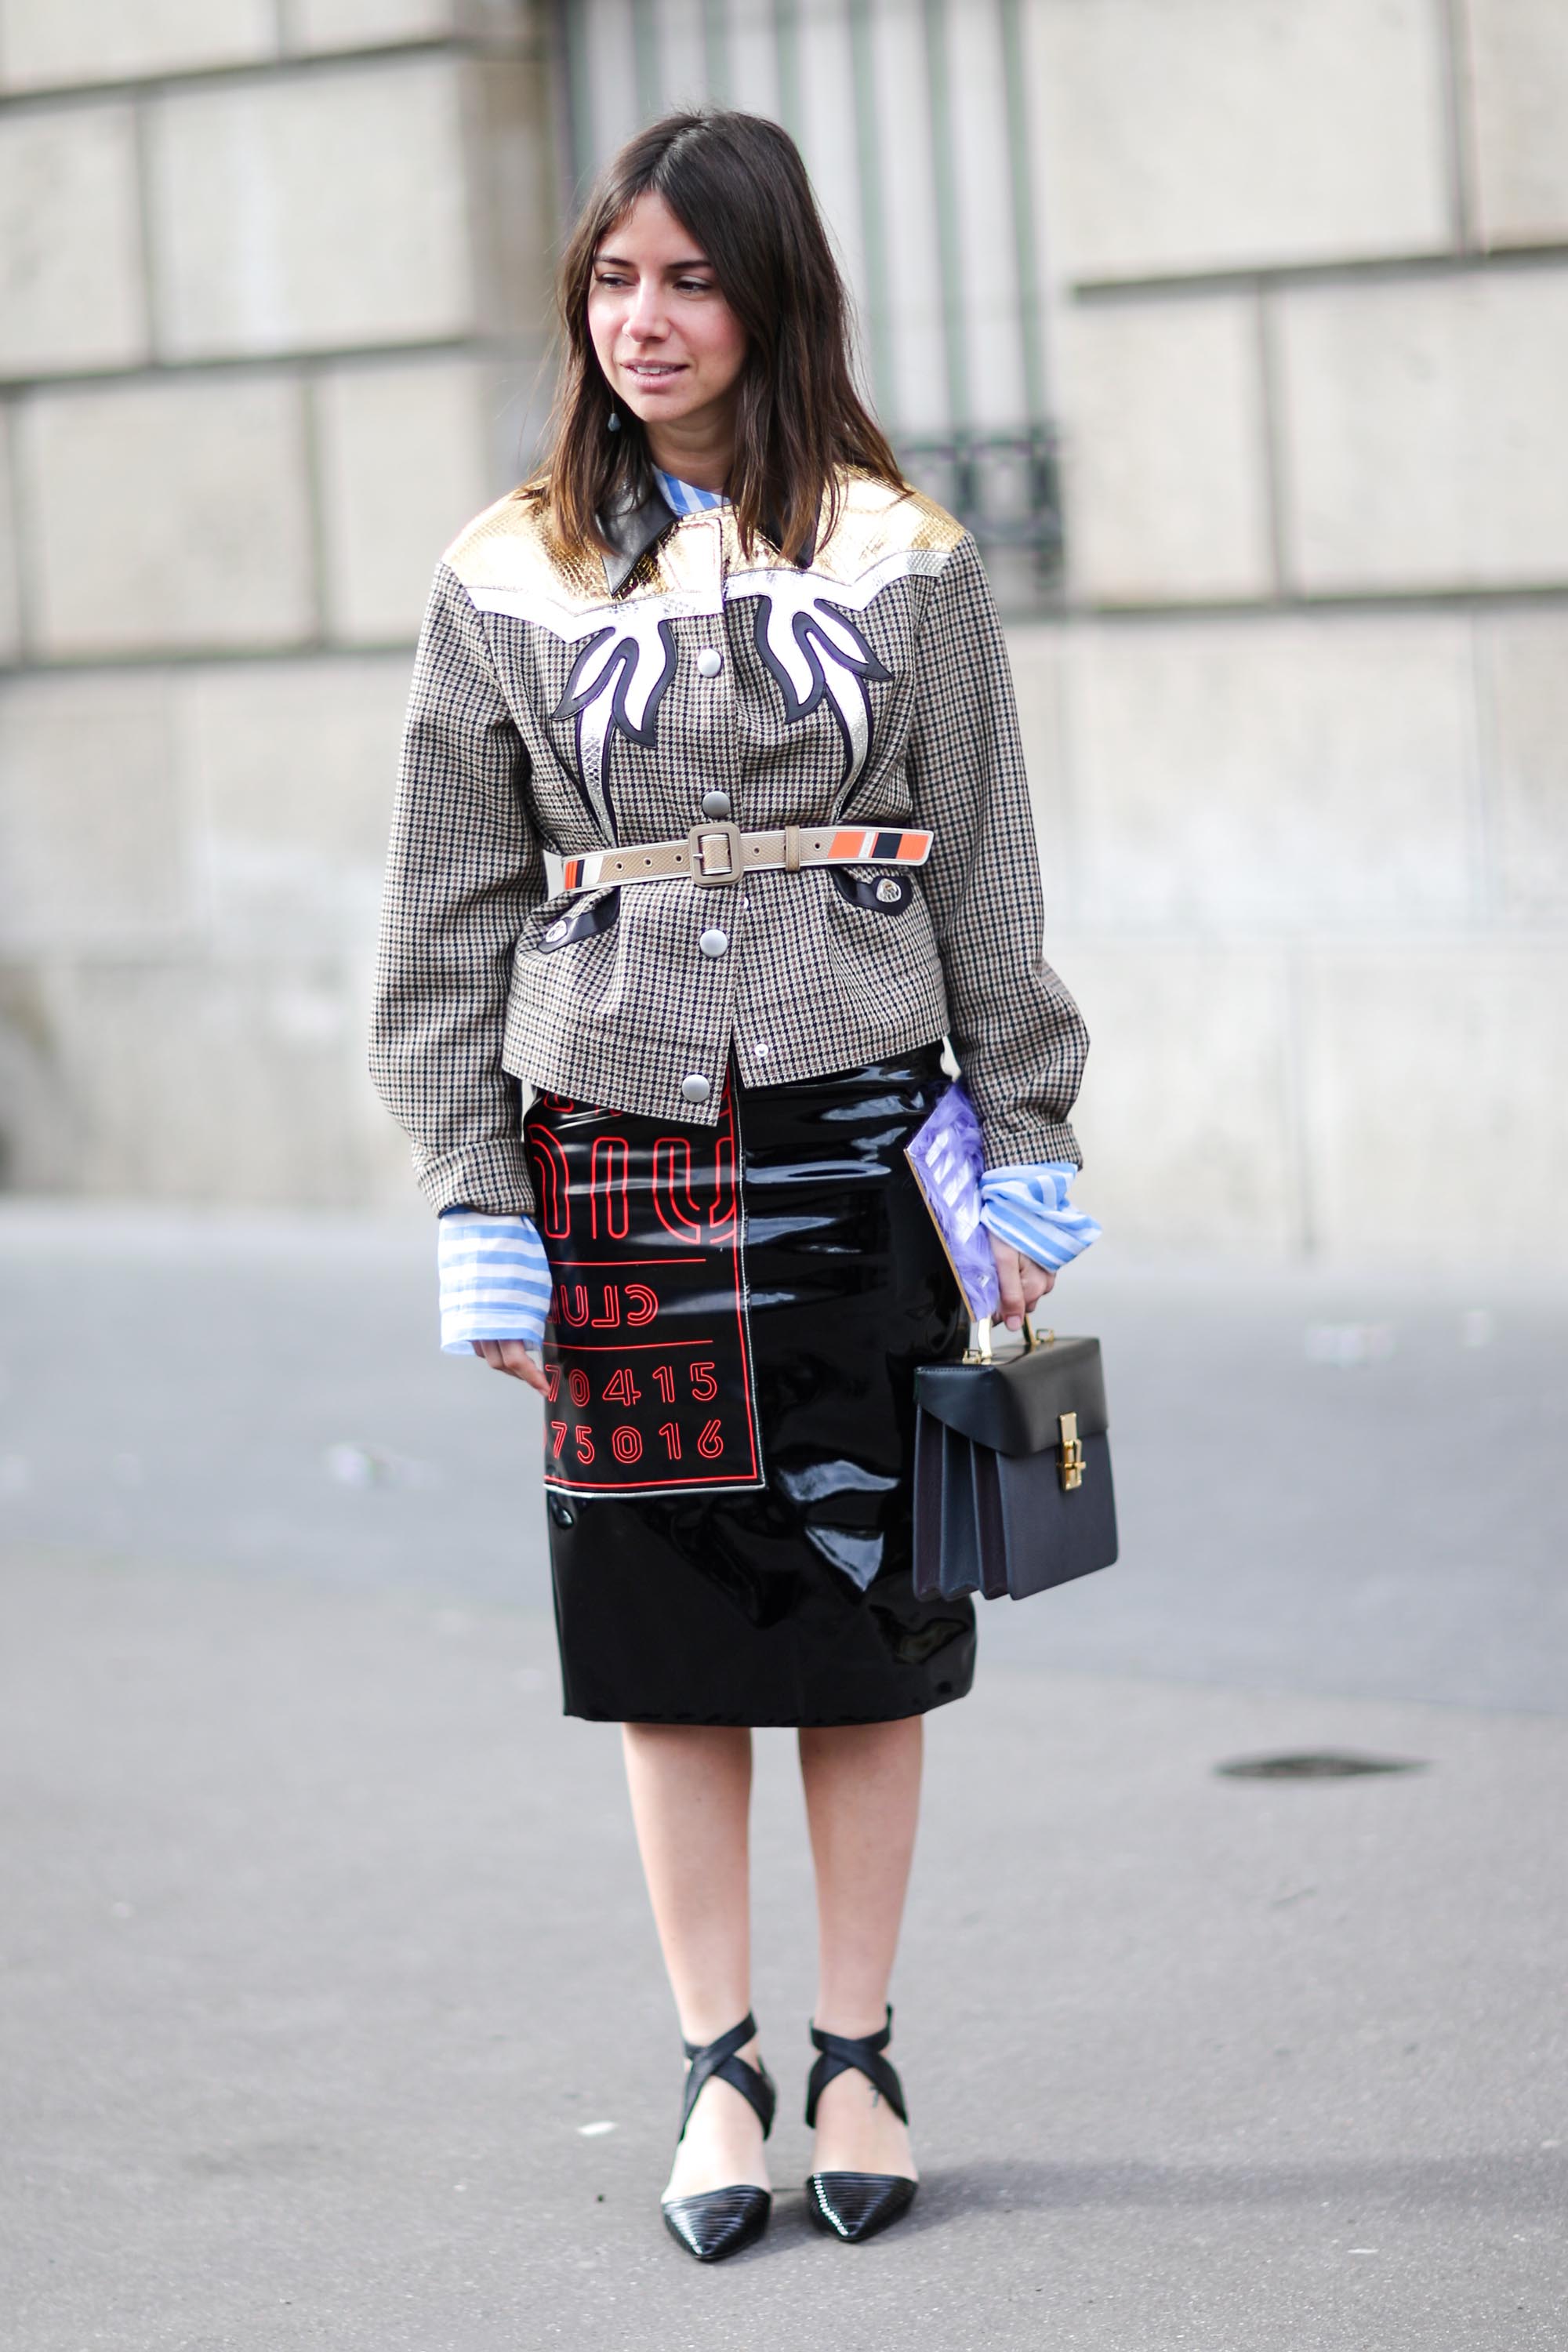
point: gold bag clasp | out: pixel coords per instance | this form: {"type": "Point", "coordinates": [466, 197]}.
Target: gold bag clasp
{"type": "Point", "coordinates": [1069, 1454]}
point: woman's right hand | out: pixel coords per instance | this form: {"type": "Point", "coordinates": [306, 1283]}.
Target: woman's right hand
{"type": "Point", "coordinates": [518, 1357]}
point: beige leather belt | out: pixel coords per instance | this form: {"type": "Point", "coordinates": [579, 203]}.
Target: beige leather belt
{"type": "Point", "coordinates": [722, 854]}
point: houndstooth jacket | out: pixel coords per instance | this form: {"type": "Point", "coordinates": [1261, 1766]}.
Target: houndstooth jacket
{"type": "Point", "coordinates": [560, 702]}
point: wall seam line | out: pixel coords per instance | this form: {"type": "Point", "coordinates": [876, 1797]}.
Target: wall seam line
{"type": "Point", "coordinates": [1272, 422]}
{"type": "Point", "coordinates": [1454, 54]}
{"type": "Point", "coordinates": [268, 72]}
{"type": "Point", "coordinates": [142, 134]}
{"type": "Point", "coordinates": [1374, 269]}
{"type": "Point", "coordinates": [23, 536]}
{"type": "Point", "coordinates": [520, 348]}
{"type": "Point", "coordinates": [315, 496]}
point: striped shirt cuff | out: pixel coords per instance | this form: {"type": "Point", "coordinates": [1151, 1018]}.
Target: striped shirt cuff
{"type": "Point", "coordinates": [495, 1280]}
{"type": "Point", "coordinates": [1028, 1208]}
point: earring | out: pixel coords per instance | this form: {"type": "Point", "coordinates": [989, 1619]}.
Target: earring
{"type": "Point", "coordinates": [612, 422]}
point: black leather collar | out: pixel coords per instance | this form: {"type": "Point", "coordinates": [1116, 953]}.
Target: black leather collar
{"type": "Point", "coordinates": [638, 521]}
{"type": "Point", "coordinates": [635, 522]}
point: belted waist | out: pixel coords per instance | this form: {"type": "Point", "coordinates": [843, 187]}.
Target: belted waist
{"type": "Point", "coordinates": [714, 854]}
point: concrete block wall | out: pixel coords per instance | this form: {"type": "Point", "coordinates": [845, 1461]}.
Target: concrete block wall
{"type": "Point", "coordinates": [272, 292]}
{"type": "Point", "coordinates": [1297, 734]}
{"type": "Point", "coordinates": [272, 284]}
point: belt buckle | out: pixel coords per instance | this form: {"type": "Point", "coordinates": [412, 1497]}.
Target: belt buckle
{"type": "Point", "coordinates": [714, 854]}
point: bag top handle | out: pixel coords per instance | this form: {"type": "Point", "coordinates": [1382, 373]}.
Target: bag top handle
{"type": "Point", "coordinates": [979, 1349]}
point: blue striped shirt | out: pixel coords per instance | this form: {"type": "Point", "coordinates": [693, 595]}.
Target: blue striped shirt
{"type": "Point", "coordinates": [495, 1280]}
{"type": "Point", "coordinates": [495, 1276]}
{"type": "Point", "coordinates": [1028, 1207]}
{"type": "Point", "coordinates": [685, 496]}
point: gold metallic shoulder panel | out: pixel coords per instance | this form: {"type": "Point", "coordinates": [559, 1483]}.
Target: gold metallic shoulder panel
{"type": "Point", "coordinates": [908, 518]}
{"type": "Point", "coordinates": [879, 532]}
{"type": "Point", "coordinates": [510, 560]}
{"type": "Point", "coordinates": [510, 551]}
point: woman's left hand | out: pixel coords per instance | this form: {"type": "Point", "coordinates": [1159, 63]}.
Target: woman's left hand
{"type": "Point", "coordinates": [1023, 1283]}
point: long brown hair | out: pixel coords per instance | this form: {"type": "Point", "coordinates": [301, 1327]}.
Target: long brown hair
{"type": "Point", "coordinates": [737, 184]}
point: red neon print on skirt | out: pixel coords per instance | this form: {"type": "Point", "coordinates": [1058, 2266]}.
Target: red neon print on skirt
{"type": "Point", "coordinates": [647, 1353]}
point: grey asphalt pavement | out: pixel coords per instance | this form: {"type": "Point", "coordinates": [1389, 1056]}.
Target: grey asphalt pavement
{"type": "Point", "coordinates": [323, 1937]}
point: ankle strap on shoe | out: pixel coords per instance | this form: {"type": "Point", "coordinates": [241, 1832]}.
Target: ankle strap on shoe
{"type": "Point", "coordinates": [840, 2052]}
{"type": "Point", "coordinates": [720, 2058]}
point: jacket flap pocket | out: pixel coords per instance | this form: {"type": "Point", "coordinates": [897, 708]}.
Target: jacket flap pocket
{"type": "Point", "coordinates": [581, 922]}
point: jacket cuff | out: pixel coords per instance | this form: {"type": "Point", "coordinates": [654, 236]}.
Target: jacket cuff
{"type": "Point", "coordinates": [491, 1177]}
{"type": "Point", "coordinates": [1030, 1143]}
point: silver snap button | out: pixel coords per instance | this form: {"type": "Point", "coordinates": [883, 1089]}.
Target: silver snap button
{"type": "Point", "coordinates": [761, 1051]}
{"type": "Point", "coordinates": [557, 930]}
{"type": "Point", "coordinates": [888, 891]}
{"type": "Point", "coordinates": [695, 1087]}
{"type": "Point", "coordinates": [710, 662]}
{"type": "Point", "coordinates": [715, 804]}
{"type": "Point", "coordinates": [714, 943]}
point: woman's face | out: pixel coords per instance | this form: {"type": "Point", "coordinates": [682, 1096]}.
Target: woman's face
{"type": "Point", "coordinates": [670, 345]}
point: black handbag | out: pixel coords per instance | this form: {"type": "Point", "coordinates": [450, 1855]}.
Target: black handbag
{"type": "Point", "coordinates": [1011, 1482]}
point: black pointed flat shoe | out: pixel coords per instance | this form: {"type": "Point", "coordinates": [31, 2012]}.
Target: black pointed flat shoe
{"type": "Point", "coordinates": [720, 2221]}
{"type": "Point", "coordinates": [855, 2205]}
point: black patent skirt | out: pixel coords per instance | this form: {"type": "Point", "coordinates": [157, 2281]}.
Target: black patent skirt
{"type": "Point", "coordinates": [735, 1319]}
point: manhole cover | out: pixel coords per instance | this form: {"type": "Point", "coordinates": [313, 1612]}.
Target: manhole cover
{"type": "Point", "coordinates": [1316, 1764]}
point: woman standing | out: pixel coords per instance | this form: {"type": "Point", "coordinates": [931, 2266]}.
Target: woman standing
{"type": "Point", "coordinates": [751, 690]}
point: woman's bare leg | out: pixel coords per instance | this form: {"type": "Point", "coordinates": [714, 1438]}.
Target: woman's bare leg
{"type": "Point", "coordinates": [690, 1788]}
{"type": "Point", "coordinates": [862, 1798]}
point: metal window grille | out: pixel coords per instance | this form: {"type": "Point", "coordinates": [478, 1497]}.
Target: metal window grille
{"type": "Point", "coordinates": [913, 118]}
